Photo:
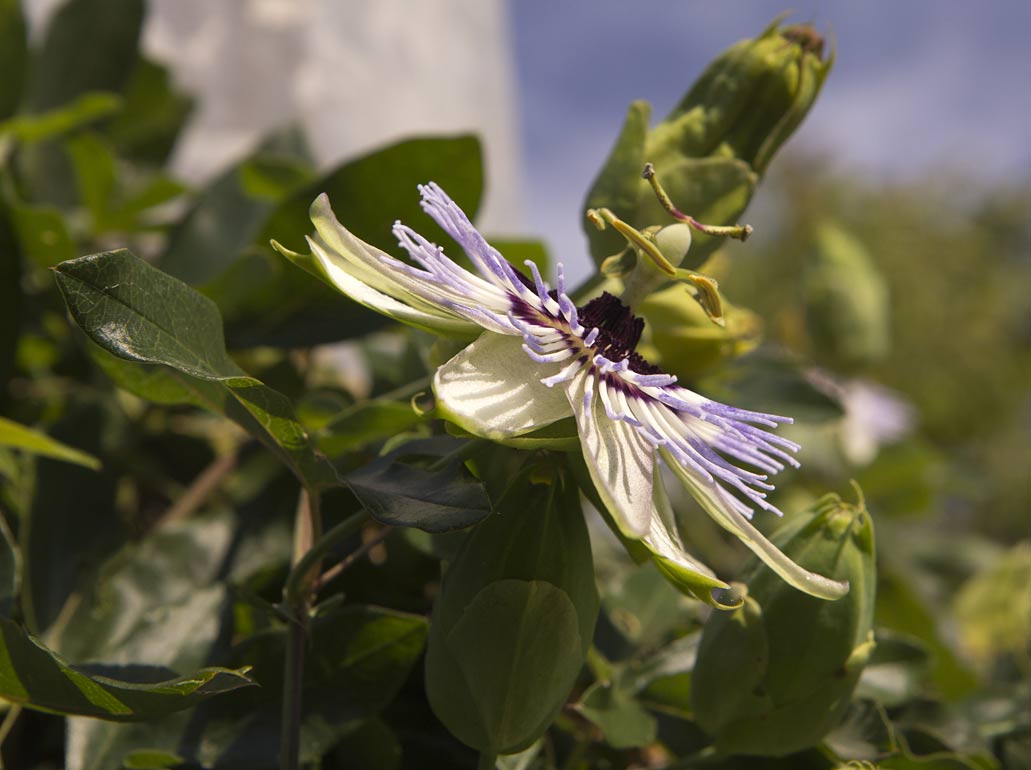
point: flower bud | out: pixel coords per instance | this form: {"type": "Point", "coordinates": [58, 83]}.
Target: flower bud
{"type": "Point", "coordinates": [717, 141]}
{"type": "Point", "coordinates": [846, 303]}
{"type": "Point", "coordinates": [774, 676]}
{"type": "Point", "coordinates": [514, 619]}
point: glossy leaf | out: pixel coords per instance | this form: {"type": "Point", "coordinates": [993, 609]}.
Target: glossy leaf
{"type": "Point", "coordinates": [137, 312]}
{"type": "Point", "coordinates": [35, 677]}
{"type": "Point", "coordinates": [34, 442]}
{"type": "Point", "coordinates": [432, 499]}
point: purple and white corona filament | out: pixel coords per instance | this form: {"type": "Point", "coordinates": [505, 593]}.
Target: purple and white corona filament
{"type": "Point", "coordinates": [538, 358]}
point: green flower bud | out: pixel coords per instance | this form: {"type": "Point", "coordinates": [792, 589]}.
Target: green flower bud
{"type": "Point", "coordinates": [774, 676]}
{"type": "Point", "coordinates": [846, 302]}
{"type": "Point", "coordinates": [683, 339]}
{"type": "Point", "coordinates": [514, 620]}
{"type": "Point", "coordinates": [719, 139]}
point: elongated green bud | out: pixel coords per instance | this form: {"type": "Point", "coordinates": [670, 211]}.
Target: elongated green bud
{"type": "Point", "coordinates": [716, 143]}
{"type": "Point", "coordinates": [774, 676]}
{"type": "Point", "coordinates": [514, 620]}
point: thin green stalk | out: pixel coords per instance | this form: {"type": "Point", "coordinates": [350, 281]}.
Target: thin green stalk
{"type": "Point", "coordinates": [487, 761]}
{"type": "Point", "coordinates": [297, 597]}
{"type": "Point", "coordinates": [293, 680]}
{"type": "Point", "coordinates": [300, 579]}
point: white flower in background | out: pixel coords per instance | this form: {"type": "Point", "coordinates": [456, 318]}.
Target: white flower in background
{"type": "Point", "coordinates": [539, 358]}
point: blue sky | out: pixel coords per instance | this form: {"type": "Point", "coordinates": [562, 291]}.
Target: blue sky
{"type": "Point", "coordinates": [916, 85]}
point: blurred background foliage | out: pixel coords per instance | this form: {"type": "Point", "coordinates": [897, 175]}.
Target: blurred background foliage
{"type": "Point", "coordinates": [890, 319]}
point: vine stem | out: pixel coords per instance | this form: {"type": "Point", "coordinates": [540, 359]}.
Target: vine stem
{"type": "Point", "coordinates": [297, 598]}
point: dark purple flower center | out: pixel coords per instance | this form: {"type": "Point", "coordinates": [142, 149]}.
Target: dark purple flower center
{"type": "Point", "coordinates": [619, 331]}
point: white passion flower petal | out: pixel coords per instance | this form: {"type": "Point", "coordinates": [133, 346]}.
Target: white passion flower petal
{"type": "Point", "coordinates": [492, 389]}
{"type": "Point", "coordinates": [670, 556]}
{"type": "Point", "coordinates": [723, 508]}
{"type": "Point", "coordinates": [620, 461]}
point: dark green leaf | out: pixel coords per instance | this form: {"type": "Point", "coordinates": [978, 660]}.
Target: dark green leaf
{"type": "Point", "coordinates": [372, 192]}
{"type": "Point", "coordinates": [357, 659]}
{"type": "Point", "coordinates": [267, 301]}
{"type": "Point", "coordinates": [228, 216]}
{"type": "Point", "coordinates": [13, 55]}
{"type": "Point", "coordinates": [10, 293]}
{"type": "Point", "coordinates": [35, 677]}
{"type": "Point", "coordinates": [10, 569]}
{"type": "Point", "coordinates": [90, 45]}
{"type": "Point", "coordinates": [73, 523]}
{"type": "Point", "coordinates": [153, 115]}
{"type": "Point", "coordinates": [32, 441]}
{"type": "Point", "coordinates": [432, 499]}
{"type": "Point", "coordinates": [139, 313]}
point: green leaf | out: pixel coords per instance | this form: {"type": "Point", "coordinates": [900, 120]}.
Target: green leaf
{"type": "Point", "coordinates": [497, 657]}
{"type": "Point", "coordinates": [84, 110]}
{"type": "Point", "coordinates": [616, 186]}
{"type": "Point", "coordinates": [514, 619]}
{"type": "Point", "coordinates": [10, 569]}
{"type": "Point", "coordinates": [94, 164]}
{"type": "Point", "coordinates": [228, 215]}
{"type": "Point", "coordinates": [10, 293]}
{"type": "Point", "coordinates": [43, 234]}
{"type": "Point", "coordinates": [137, 312]}
{"type": "Point", "coordinates": [357, 659]}
{"type": "Point", "coordinates": [364, 423]}
{"type": "Point", "coordinates": [154, 113]}
{"type": "Point", "coordinates": [90, 45]}
{"type": "Point", "coordinates": [374, 191]}
{"type": "Point", "coordinates": [432, 499]}
{"type": "Point", "coordinates": [150, 759]}
{"type": "Point", "coordinates": [73, 523]}
{"type": "Point", "coordinates": [13, 55]}
{"type": "Point", "coordinates": [266, 301]}
{"type": "Point", "coordinates": [28, 440]}
{"type": "Point", "coordinates": [37, 678]}
{"type": "Point", "coordinates": [623, 721]}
